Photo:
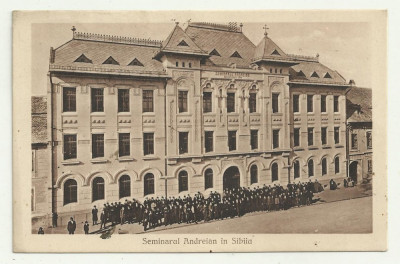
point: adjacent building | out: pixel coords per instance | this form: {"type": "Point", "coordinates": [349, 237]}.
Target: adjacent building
{"type": "Point", "coordinates": [205, 109]}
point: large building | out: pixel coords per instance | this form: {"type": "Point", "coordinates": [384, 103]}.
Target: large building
{"type": "Point", "coordinates": [206, 109]}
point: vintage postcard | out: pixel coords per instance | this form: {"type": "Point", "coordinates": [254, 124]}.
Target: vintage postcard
{"type": "Point", "coordinates": [215, 131]}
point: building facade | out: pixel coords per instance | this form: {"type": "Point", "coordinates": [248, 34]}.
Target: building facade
{"type": "Point", "coordinates": [206, 109]}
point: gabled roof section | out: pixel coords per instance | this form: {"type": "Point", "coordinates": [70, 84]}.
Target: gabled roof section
{"type": "Point", "coordinates": [214, 52]}
{"type": "Point", "coordinates": [83, 59]}
{"type": "Point", "coordinates": [359, 105]}
{"type": "Point", "coordinates": [111, 60]}
{"type": "Point", "coordinates": [268, 51]}
{"type": "Point", "coordinates": [135, 62]}
{"type": "Point", "coordinates": [179, 42]}
{"type": "Point", "coordinates": [236, 55]}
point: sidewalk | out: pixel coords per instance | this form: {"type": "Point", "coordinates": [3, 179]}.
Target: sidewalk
{"type": "Point", "coordinates": [327, 196]}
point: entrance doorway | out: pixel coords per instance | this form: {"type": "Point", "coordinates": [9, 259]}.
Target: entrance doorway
{"type": "Point", "coordinates": [231, 178]}
{"type": "Point", "coordinates": [353, 171]}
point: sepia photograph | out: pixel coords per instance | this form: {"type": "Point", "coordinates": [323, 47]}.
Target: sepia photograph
{"type": "Point", "coordinates": [186, 131]}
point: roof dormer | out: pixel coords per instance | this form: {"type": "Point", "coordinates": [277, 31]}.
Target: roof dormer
{"type": "Point", "coordinates": [111, 60]}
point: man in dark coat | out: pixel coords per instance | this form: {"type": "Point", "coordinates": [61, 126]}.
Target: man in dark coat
{"type": "Point", "coordinates": [40, 232]}
{"type": "Point", "coordinates": [94, 215]}
{"type": "Point", "coordinates": [103, 219]}
{"type": "Point", "coordinates": [71, 226]}
{"type": "Point", "coordinates": [86, 227]}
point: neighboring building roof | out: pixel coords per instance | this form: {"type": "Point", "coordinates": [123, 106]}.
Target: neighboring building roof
{"type": "Point", "coordinates": [97, 50]}
{"type": "Point", "coordinates": [225, 40]}
{"type": "Point", "coordinates": [179, 42]}
{"type": "Point", "coordinates": [39, 119]}
{"type": "Point", "coordinates": [359, 105]}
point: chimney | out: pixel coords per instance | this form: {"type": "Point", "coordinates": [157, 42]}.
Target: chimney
{"type": "Point", "coordinates": [52, 55]}
{"type": "Point", "coordinates": [352, 82]}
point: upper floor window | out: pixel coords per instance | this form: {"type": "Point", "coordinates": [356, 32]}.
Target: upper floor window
{"type": "Point", "coordinates": [310, 103]}
{"type": "Point", "coordinates": [183, 64]}
{"type": "Point", "coordinates": [97, 145]}
{"type": "Point", "coordinates": [183, 142]}
{"type": "Point", "coordinates": [207, 102]}
{"type": "Point", "coordinates": [177, 64]}
{"type": "Point", "coordinates": [323, 135]}
{"type": "Point", "coordinates": [354, 141]}
{"type": "Point", "coordinates": [182, 101]}
{"type": "Point", "coordinates": [148, 101]}
{"type": "Point", "coordinates": [369, 163]}
{"type": "Point", "coordinates": [124, 144]}
{"type": "Point", "coordinates": [209, 141]}
{"type": "Point", "coordinates": [148, 143]}
{"type": "Point", "coordinates": [190, 65]}
{"type": "Point", "coordinates": [275, 103]}
{"type": "Point", "coordinates": [253, 102]}
{"type": "Point", "coordinates": [296, 136]}
{"type": "Point", "coordinates": [275, 138]}
{"type": "Point", "coordinates": [254, 139]}
{"type": "Point", "coordinates": [69, 99]}
{"type": "Point", "coordinates": [336, 135]}
{"type": "Point", "coordinates": [123, 100]}
{"type": "Point", "coordinates": [323, 103]}
{"type": "Point", "coordinates": [230, 102]}
{"type": "Point", "coordinates": [232, 140]}
{"type": "Point", "coordinates": [70, 151]}
{"type": "Point", "coordinates": [336, 103]}
{"type": "Point", "coordinates": [296, 104]}
{"type": "Point", "coordinates": [369, 139]}
{"type": "Point", "coordinates": [310, 132]}
{"type": "Point", "coordinates": [97, 100]}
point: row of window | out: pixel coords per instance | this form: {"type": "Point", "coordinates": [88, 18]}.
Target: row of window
{"type": "Point", "coordinates": [310, 103]}
{"type": "Point", "coordinates": [310, 136]}
{"type": "Point", "coordinates": [310, 166]}
{"type": "Point", "coordinates": [354, 140]}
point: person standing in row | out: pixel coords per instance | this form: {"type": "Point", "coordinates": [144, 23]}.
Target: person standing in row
{"type": "Point", "coordinates": [86, 227]}
{"type": "Point", "coordinates": [94, 215]}
{"type": "Point", "coordinates": [71, 226]}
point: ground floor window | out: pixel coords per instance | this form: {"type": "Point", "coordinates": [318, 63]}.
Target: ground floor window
{"type": "Point", "coordinates": [148, 184]}
{"type": "Point", "coordinates": [274, 171]}
{"type": "Point", "coordinates": [98, 189]}
{"type": "Point", "coordinates": [337, 167]}
{"type": "Point", "coordinates": [253, 174]}
{"type": "Point", "coordinates": [310, 168]}
{"type": "Point", "coordinates": [70, 191]}
{"type": "Point", "coordinates": [296, 166]}
{"type": "Point", "coordinates": [324, 167]}
{"type": "Point", "coordinates": [124, 186]}
{"type": "Point", "coordinates": [183, 181]}
{"type": "Point", "coordinates": [208, 179]}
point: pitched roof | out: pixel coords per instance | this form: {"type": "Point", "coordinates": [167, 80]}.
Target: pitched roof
{"type": "Point", "coordinates": [99, 51]}
{"type": "Point", "coordinates": [39, 119]}
{"type": "Point", "coordinates": [311, 70]}
{"type": "Point", "coordinates": [269, 51]}
{"type": "Point", "coordinates": [178, 41]}
{"type": "Point", "coordinates": [359, 105]}
{"type": "Point", "coordinates": [226, 41]}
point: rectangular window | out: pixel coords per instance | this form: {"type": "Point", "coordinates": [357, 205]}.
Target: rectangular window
{"type": "Point", "coordinates": [296, 102]}
{"type": "Point", "coordinates": [69, 99]}
{"type": "Point", "coordinates": [310, 133]}
{"type": "Point", "coordinates": [148, 143]}
{"type": "Point", "coordinates": [354, 141]}
{"type": "Point", "coordinates": [232, 140]}
{"type": "Point", "coordinates": [323, 135]}
{"type": "Point", "coordinates": [296, 137]}
{"type": "Point", "coordinates": [183, 142]}
{"type": "Point", "coordinates": [369, 140]}
{"type": "Point", "coordinates": [70, 151]}
{"type": "Point", "coordinates": [123, 100]}
{"type": "Point", "coordinates": [209, 141]}
{"type": "Point", "coordinates": [254, 139]}
{"type": "Point", "coordinates": [336, 104]}
{"type": "Point", "coordinates": [275, 103]}
{"type": "Point", "coordinates": [253, 103]}
{"type": "Point", "coordinates": [148, 101]}
{"type": "Point", "coordinates": [97, 145]}
{"type": "Point", "coordinates": [275, 138]}
{"type": "Point", "coordinates": [310, 103]}
{"type": "Point", "coordinates": [207, 102]}
{"type": "Point", "coordinates": [369, 166]}
{"type": "Point", "coordinates": [336, 135]}
{"type": "Point", "coordinates": [182, 101]}
{"type": "Point", "coordinates": [323, 103]}
{"type": "Point", "coordinates": [124, 144]}
{"type": "Point", "coordinates": [230, 102]}
{"type": "Point", "coordinates": [97, 100]}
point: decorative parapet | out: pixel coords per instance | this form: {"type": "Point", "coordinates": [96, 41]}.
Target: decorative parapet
{"type": "Point", "coordinates": [231, 26]}
{"type": "Point", "coordinates": [116, 39]}
{"type": "Point", "coordinates": [104, 70]}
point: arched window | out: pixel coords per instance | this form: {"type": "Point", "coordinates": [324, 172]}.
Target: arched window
{"type": "Point", "coordinates": [98, 189]}
{"type": "Point", "coordinates": [274, 169]}
{"type": "Point", "coordinates": [253, 174]}
{"type": "Point", "coordinates": [183, 181]}
{"type": "Point", "coordinates": [337, 167]}
{"type": "Point", "coordinates": [208, 179]}
{"type": "Point", "coordinates": [124, 186]}
{"type": "Point", "coordinates": [296, 166]}
{"type": "Point", "coordinates": [148, 184]}
{"type": "Point", "coordinates": [70, 191]}
{"type": "Point", "coordinates": [310, 168]}
{"type": "Point", "coordinates": [324, 167]}
{"type": "Point", "coordinates": [253, 101]}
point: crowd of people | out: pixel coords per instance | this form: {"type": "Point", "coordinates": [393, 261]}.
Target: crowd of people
{"type": "Point", "coordinates": [235, 202]}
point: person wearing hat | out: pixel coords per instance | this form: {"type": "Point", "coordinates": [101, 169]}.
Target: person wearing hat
{"type": "Point", "coordinates": [94, 215]}
{"type": "Point", "coordinates": [40, 232]}
{"type": "Point", "coordinates": [86, 227]}
{"type": "Point", "coordinates": [71, 226]}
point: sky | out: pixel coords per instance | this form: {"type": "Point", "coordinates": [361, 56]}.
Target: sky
{"type": "Point", "coordinates": [344, 47]}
